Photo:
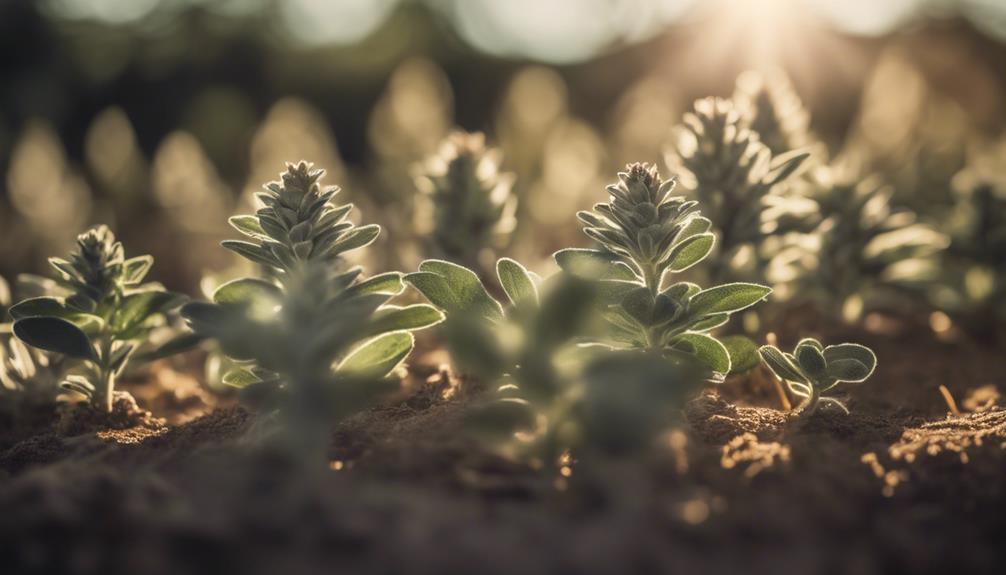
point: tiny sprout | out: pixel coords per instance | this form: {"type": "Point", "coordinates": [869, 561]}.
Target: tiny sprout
{"type": "Point", "coordinates": [812, 370]}
{"type": "Point", "coordinates": [472, 203]}
{"type": "Point", "coordinates": [106, 313]}
{"type": "Point", "coordinates": [645, 234]}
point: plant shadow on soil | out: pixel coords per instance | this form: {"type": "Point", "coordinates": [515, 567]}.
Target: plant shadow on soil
{"type": "Point", "coordinates": [897, 486]}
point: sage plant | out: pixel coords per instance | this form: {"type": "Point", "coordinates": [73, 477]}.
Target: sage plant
{"type": "Point", "coordinates": [103, 312]}
{"type": "Point", "coordinates": [645, 235]}
{"type": "Point", "coordinates": [771, 108]}
{"type": "Point", "coordinates": [865, 254]}
{"type": "Point", "coordinates": [813, 370]}
{"type": "Point", "coordinates": [312, 338]}
{"type": "Point", "coordinates": [973, 280]}
{"type": "Point", "coordinates": [736, 179]}
{"type": "Point", "coordinates": [470, 200]}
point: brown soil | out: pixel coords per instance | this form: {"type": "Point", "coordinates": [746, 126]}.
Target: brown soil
{"type": "Point", "coordinates": [898, 486]}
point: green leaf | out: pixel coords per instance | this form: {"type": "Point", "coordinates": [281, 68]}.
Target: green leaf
{"type": "Point", "coordinates": [120, 357]}
{"type": "Point", "coordinates": [38, 307]}
{"type": "Point", "coordinates": [690, 252]}
{"type": "Point", "coordinates": [252, 252]}
{"type": "Point", "coordinates": [408, 318]}
{"type": "Point", "coordinates": [357, 238]}
{"type": "Point", "coordinates": [727, 298]}
{"type": "Point", "coordinates": [707, 349]}
{"type": "Point", "coordinates": [390, 283]}
{"type": "Point", "coordinates": [781, 365]}
{"type": "Point", "coordinates": [860, 353]}
{"type": "Point", "coordinates": [137, 307]}
{"type": "Point", "coordinates": [811, 342]}
{"type": "Point", "coordinates": [849, 370]}
{"type": "Point", "coordinates": [246, 291]}
{"type": "Point", "coordinates": [379, 356]}
{"type": "Point", "coordinates": [784, 165]}
{"type": "Point", "coordinates": [811, 361]}
{"type": "Point", "coordinates": [178, 344]}
{"type": "Point", "coordinates": [56, 335]}
{"type": "Point", "coordinates": [743, 353]}
{"type": "Point", "coordinates": [639, 303]}
{"type": "Point", "coordinates": [239, 377]}
{"type": "Point", "coordinates": [681, 291]}
{"type": "Point", "coordinates": [135, 269]}
{"type": "Point", "coordinates": [460, 289]}
{"type": "Point", "coordinates": [516, 281]}
{"type": "Point", "coordinates": [594, 264]}
{"type": "Point", "coordinates": [249, 226]}
{"type": "Point", "coordinates": [710, 322]}
{"type": "Point", "coordinates": [54, 307]}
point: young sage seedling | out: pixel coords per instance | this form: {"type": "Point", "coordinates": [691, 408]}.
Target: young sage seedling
{"type": "Point", "coordinates": [646, 234]}
{"type": "Point", "coordinates": [102, 314]}
{"type": "Point", "coordinates": [312, 338]}
{"type": "Point", "coordinates": [813, 370]}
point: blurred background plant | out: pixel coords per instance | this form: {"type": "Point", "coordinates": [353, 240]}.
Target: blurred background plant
{"type": "Point", "coordinates": [865, 255]}
{"type": "Point", "coordinates": [972, 289]}
{"type": "Point", "coordinates": [467, 209]}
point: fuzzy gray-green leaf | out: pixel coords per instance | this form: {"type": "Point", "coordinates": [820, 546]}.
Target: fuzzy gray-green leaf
{"type": "Point", "coordinates": [468, 293]}
{"type": "Point", "coordinates": [594, 264]}
{"type": "Point", "coordinates": [780, 364]}
{"type": "Point", "coordinates": [56, 335]}
{"type": "Point", "coordinates": [727, 298]}
{"type": "Point", "coordinates": [379, 356]}
{"type": "Point", "coordinates": [709, 350]}
{"type": "Point", "coordinates": [516, 281]}
{"type": "Point", "coordinates": [690, 252]}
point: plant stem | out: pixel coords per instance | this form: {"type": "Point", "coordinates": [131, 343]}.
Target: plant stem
{"type": "Point", "coordinates": [651, 278]}
{"type": "Point", "coordinates": [809, 405]}
{"type": "Point", "coordinates": [106, 383]}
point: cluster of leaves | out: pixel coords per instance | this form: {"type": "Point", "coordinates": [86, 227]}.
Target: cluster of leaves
{"type": "Point", "coordinates": [98, 315]}
{"type": "Point", "coordinates": [551, 395]}
{"type": "Point", "coordinates": [813, 370]}
{"type": "Point", "coordinates": [645, 234]}
{"type": "Point", "coordinates": [737, 180]}
{"type": "Point", "coordinates": [865, 254]}
{"type": "Point", "coordinates": [311, 336]}
{"type": "Point", "coordinates": [470, 201]}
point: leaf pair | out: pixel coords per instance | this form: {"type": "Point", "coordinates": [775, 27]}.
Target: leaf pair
{"type": "Point", "coordinates": [813, 369]}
